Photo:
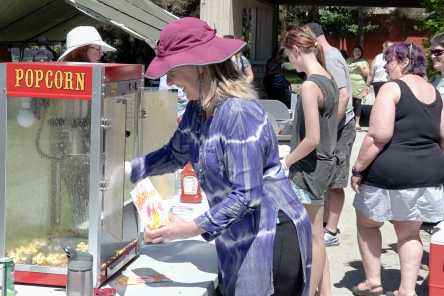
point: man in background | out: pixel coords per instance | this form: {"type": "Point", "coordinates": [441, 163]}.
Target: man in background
{"type": "Point", "coordinates": [338, 68]}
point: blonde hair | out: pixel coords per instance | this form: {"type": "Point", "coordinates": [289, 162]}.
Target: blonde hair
{"type": "Point", "coordinates": [222, 81]}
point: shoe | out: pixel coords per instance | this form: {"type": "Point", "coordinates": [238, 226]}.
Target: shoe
{"type": "Point", "coordinates": [366, 292]}
{"type": "Point", "coordinates": [331, 238]}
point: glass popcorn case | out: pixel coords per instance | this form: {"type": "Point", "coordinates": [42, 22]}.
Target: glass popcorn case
{"type": "Point", "coordinates": [67, 129]}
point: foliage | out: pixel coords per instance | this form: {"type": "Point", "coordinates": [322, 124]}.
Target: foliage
{"type": "Point", "coordinates": [345, 21]}
{"type": "Point", "coordinates": [180, 8]}
{"type": "Point", "coordinates": [434, 21]}
{"type": "Point", "coordinates": [336, 21]}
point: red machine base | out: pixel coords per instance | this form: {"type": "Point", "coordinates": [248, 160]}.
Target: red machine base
{"type": "Point", "coordinates": [40, 278]}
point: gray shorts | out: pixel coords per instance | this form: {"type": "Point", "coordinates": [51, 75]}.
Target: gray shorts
{"type": "Point", "coordinates": [306, 197]}
{"type": "Point", "coordinates": [424, 204]}
{"type": "Point", "coordinates": [346, 138]}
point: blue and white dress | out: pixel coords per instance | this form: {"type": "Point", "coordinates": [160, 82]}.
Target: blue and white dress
{"type": "Point", "coordinates": [235, 155]}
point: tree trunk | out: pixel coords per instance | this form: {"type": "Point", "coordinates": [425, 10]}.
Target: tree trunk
{"type": "Point", "coordinates": [360, 32]}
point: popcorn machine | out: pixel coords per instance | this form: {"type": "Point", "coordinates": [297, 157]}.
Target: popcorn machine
{"type": "Point", "coordinates": [67, 130]}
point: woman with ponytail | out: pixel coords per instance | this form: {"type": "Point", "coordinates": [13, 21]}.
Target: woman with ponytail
{"type": "Point", "coordinates": [314, 136]}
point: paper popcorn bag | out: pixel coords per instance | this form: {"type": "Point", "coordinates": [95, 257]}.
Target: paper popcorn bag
{"type": "Point", "coordinates": [149, 205]}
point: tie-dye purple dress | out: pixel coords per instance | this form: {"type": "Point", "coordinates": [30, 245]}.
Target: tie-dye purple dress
{"type": "Point", "coordinates": [235, 155]}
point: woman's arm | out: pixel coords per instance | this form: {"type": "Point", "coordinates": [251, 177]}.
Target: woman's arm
{"type": "Point", "coordinates": [382, 121]}
{"type": "Point", "coordinates": [371, 73]}
{"type": "Point", "coordinates": [442, 130]}
{"type": "Point", "coordinates": [170, 157]}
{"type": "Point", "coordinates": [365, 71]}
{"type": "Point", "coordinates": [310, 94]}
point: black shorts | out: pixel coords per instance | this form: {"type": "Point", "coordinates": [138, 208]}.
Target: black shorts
{"type": "Point", "coordinates": [288, 277]}
{"type": "Point", "coordinates": [377, 86]}
{"type": "Point", "coordinates": [357, 106]}
{"type": "Point", "coordinates": [346, 138]}
{"type": "Point", "coordinates": [288, 274]}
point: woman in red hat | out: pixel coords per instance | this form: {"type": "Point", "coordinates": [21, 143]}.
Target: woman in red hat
{"type": "Point", "coordinates": [262, 231]}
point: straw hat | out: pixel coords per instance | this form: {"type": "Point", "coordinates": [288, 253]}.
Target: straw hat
{"type": "Point", "coordinates": [190, 41]}
{"type": "Point", "coordinates": [82, 36]}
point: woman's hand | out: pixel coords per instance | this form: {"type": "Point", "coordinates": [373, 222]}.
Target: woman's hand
{"type": "Point", "coordinates": [355, 183]}
{"type": "Point", "coordinates": [364, 92]}
{"type": "Point", "coordinates": [177, 228]}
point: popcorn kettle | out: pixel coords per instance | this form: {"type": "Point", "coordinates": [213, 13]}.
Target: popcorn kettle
{"type": "Point", "coordinates": [79, 282]}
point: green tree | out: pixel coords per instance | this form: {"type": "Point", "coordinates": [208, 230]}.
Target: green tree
{"type": "Point", "coordinates": [180, 7]}
{"type": "Point", "coordinates": [434, 20]}
{"type": "Point", "coordinates": [337, 21]}
{"type": "Point", "coordinates": [346, 22]}
{"type": "Point", "coordinates": [433, 23]}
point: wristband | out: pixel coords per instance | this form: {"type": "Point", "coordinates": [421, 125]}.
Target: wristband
{"type": "Point", "coordinates": [356, 173]}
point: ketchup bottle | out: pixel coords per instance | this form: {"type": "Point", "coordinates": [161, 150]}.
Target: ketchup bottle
{"type": "Point", "coordinates": [189, 185]}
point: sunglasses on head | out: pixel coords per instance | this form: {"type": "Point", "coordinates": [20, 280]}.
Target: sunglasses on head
{"type": "Point", "coordinates": [437, 52]}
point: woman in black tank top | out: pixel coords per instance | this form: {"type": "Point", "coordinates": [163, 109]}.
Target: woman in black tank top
{"type": "Point", "coordinates": [314, 138]}
{"type": "Point", "coordinates": [398, 175]}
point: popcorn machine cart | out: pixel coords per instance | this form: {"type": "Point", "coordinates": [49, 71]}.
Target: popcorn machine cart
{"type": "Point", "coordinates": [66, 131]}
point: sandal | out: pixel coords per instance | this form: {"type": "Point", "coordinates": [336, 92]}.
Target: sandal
{"type": "Point", "coordinates": [394, 293]}
{"type": "Point", "coordinates": [366, 292]}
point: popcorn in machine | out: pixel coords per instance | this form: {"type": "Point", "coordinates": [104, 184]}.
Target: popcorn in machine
{"type": "Point", "coordinates": [67, 130]}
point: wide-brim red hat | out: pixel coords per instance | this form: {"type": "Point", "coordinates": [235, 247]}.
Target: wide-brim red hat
{"type": "Point", "coordinates": [190, 41]}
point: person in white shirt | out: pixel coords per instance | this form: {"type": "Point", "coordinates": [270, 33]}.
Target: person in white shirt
{"type": "Point", "coordinates": [377, 75]}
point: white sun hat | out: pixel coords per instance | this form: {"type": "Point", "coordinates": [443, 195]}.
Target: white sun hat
{"type": "Point", "coordinates": [82, 36]}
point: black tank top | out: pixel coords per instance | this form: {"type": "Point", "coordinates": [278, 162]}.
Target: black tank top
{"type": "Point", "coordinates": [413, 157]}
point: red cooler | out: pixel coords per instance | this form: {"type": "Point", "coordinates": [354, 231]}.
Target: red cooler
{"type": "Point", "coordinates": [436, 262]}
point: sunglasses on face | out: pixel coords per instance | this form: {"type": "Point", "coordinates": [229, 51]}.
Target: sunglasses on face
{"type": "Point", "coordinates": [437, 52]}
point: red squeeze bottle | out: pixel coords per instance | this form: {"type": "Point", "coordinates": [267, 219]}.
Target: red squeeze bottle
{"type": "Point", "coordinates": [189, 185]}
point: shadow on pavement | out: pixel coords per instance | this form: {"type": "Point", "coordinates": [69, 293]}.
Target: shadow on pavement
{"type": "Point", "coordinates": [390, 279]}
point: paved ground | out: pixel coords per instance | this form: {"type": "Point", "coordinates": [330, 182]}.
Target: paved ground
{"type": "Point", "coordinates": [345, 262]}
